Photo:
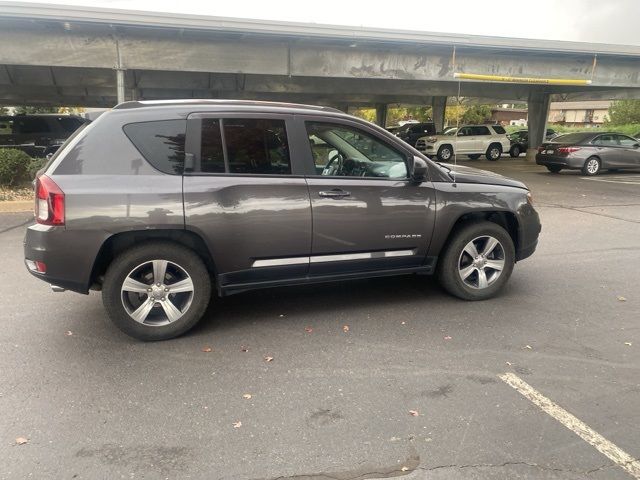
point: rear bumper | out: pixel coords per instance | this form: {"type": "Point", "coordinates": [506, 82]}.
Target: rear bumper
{"type": "Point", "coordinates": [69, 262]}
{"type": "Point", "coordinates": [569, 162]}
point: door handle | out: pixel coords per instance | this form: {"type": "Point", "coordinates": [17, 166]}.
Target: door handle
{"type": "Point", "coordinates": [335, 193]}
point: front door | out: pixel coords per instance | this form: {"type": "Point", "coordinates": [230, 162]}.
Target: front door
{"type": "Point", "coordinates": [367, 215]}
{"type": "Point", "coordinates": [245, 198]}
{"type": "Point", "coordinates": [465, 140]}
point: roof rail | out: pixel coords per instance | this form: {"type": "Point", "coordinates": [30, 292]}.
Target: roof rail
{"type": "Point", "coordinates": [249, 103]}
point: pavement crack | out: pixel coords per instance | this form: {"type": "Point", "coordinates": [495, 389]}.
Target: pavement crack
{"type": "Point", "coordinates": [509, 464]}
{"type": "Point", "coordinates": [579, 209]}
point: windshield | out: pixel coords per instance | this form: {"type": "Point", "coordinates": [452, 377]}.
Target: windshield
{"type": "Point", "coordinates": [450, 131]}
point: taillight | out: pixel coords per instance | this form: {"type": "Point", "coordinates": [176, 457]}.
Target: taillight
{"type": "Point", "coordinates": [49, 208]}
{"type": "Point", "coordinates": [567, 150]}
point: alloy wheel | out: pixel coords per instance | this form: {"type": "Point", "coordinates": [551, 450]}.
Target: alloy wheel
{"type": "Point", "coordinates": [481, 262]}
{"type": "Point", "coordinates": [593, 166]}
{"type": "Point", "coordinates": [157, 292]}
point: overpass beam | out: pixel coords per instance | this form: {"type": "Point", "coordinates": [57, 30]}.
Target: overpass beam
{"type": "Point", "coordinates": [120, 84]}
{"type": "Point", "coordinates": [438, 109]}
{"type": "Point", "coordinates": [381, 114]}
{"type": "Point", "coordinates": [538, 105]}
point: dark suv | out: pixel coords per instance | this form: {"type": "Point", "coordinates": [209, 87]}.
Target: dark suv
{"type": "Point", "coordinates": [411, 132]}
{"type": "Point", "coordinates": [37, 135]}
{"type": "Point", "coordinates": [158, 203]}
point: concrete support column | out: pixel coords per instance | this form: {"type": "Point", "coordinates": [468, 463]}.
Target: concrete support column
{"type": "Point", "coordinates": [120, 84]}
{"type": "Point", "coordinates": [538, 105]}
{"type": "Point", "coordinates": [438, 108]}
{"type": "Point", "coordinates": [381, 114]}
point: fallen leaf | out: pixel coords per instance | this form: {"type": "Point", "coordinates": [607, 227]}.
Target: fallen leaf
{"type": "Point", "coordinates": [207, 349]}
{"type": "Point", "coordinates": [413, 413]}
{"type": "Point", "coordinates": [628, 343]}
{"type": "Point", "coordinates": [404, 469]}
{"type": "Point", "coordinates": [268, 359]}
{"type": "Point", "coordinates": [237, 424]}
{"type": "Point", "coordinates": [243, 348]}
{"type": "Point", "coordinates": [403, 323]}
{"type": "Point", "coordinates": [21, 441]}
{"type": "Point", "coordinates": [528, 347]}
{"type": "Point", "coordinates": [621, 298]}
{"type": "Point", "coordinates": [68, 333]}
{"type": "Point", "coordinates": [447, 337]}
{"type": "Point", "coordinates": [509, 363]}
{"type": "Point", "coordinates": [345, 328]}
{"type": "Point", "coordinates": [246, 396]}
{"type": "Point", "coordinates": [308, 329]}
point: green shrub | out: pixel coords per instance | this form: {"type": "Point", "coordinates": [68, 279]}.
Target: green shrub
{"type": "Point", "coordinates": [34, 165]}
{"type": "Point", "coordinates": [14, 166]}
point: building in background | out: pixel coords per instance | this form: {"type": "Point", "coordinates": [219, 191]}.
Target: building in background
{"type": "Point", "coordinates": [504, 115]}
{"type": "Point", "coordinates": [579, 114]}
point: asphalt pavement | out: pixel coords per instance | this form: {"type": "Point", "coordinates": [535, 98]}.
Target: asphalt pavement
{"type": "Point", "coordinates": [368, 379]}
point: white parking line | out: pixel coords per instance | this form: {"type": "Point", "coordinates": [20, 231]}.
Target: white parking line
{"type": "Point", "coordinates": [604, 446]}
{"type": "Point", "coordinates": [626, 179]}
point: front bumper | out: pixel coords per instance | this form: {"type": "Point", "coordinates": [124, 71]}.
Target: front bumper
{"type": "Point", "coordinates": [529, 228]}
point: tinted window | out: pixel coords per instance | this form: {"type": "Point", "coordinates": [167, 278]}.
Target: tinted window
{"type": "Point", "coordinates": [28, 125]}
{"type": "Point", "coordinates": [480, 131]}
{"type": "Point", "coordinates": [256, 146]}
{"type": "Point", "coordinates": [212, 154]}
{"type": "Point", "coordinates": [499, 130]}
{"type": "Point", "coordinates": [607, 140]}
{"type": "Point", "coordinates": [69, 124]}
{"type": "Point", "coordinates": [6, 126]}
{"type": "Point", "coordinates": [626, 141]}
{"type": "Point", "coordinates": [161, 143]}
{"type": "Point", "coordinates": [340, 150]}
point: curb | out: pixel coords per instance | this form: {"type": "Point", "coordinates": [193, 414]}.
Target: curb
{"type": "Point", "coordinates": [16, 206]}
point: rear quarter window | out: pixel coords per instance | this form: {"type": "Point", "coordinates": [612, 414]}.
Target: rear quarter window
{"type": "Point", "coordinates": [499, 130]}
{"type": "Point", "coordinates": [161, 143]}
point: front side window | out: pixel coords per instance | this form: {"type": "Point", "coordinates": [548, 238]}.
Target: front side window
{"type": "Point", "coordinates": [627, 141]}
{"type": "Point", "coordinates": [341, 150]}
{"type": "Point", "coordinates": [161, 143]}
{"type": "Point", "coordinates": [253, 146]}
{"type": "Point", "coordinates": [465, 132]}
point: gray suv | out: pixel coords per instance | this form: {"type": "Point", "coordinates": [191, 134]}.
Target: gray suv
{"type": "Point", "coordinates": [158, 203]}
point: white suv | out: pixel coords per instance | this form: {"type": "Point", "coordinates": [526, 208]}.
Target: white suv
{"type": "Point", "coordinates": [470, 140]}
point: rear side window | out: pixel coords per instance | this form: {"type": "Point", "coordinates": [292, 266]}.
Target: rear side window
{"type": "Point", "coordinates": [252, 145]}
{"type": "Point", "coordinates": [481, 131]}
{"type": "Point", "coordinates": [161, 143]}
{"type": "Point", "coordinates": [28, 125]}
{"type": "Point", "coordinates": [499, 130]}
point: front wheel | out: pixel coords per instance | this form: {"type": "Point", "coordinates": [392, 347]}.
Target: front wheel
{"type": "Point", "coordinates": [515, 151]}
{"type": "Point", "coordinates": [494, 152]}
{"type": "Point", "coordinates": [445, 153]}
{"type": "Point", "coordinates": [156, 291]}
{"type": "Point", "coordinates": [477, 262]}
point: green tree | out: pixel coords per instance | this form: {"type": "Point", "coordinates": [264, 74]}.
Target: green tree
{"type": "Point", "coordinates": [477, 114]}
{"type": "Point", "coordinates": [624, 111]}
{"type": "Point", "coordinates": [26, 110]}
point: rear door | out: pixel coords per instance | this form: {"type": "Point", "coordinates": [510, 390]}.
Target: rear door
{"type": "Point", "coordinates": [247, 197]}
{"type": "Point", "coordinates": [367, 215]}
{"type": "Point", "coordinates": [482, 138]}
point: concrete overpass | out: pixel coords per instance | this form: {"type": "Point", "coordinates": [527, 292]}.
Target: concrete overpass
{"type": "Point", "coordinates": [63, 55]}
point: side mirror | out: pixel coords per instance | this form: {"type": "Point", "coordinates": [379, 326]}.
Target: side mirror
{"type": "Point", "coordinates": [419, 170]}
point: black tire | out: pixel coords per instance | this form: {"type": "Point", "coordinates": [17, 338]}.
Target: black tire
{"type": "Point", "coordinates": [590, 171]}
{"type": "Point", "coordinates": [474, 156]}
{"type": "Point", "coordinates": [445, 152]}
{"type": "Point", "coordinates": [127, 262]}
{"type": "Point", "coordinates": [448, 270]}
{"type": "Point", "coordinates": [494, 152]}
{"type": "Point", "coordinates": [554, 168]}
{"type": "Point", "coordinates": [515, 151]}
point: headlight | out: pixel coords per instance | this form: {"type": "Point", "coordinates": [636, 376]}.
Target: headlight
{"type": "Point", "coordinates": [432, 139]}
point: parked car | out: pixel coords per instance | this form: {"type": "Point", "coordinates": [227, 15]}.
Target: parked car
{"type": "Point", "coordinates": [590, 152]}
{"type": "Point", "coordinates": [470, 140]}
{"type": "Point", "coordinates": [38, 135]}
{"type": "Point", "coordinates": [411, 132]}
{"type": "Point", "coordinates": [159, 203]}
{"type": "Point", "coordinates": [520, 141]}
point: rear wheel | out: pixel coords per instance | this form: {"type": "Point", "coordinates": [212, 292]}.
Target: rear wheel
{"type": "Point", "coordinates": [477, 262]}
{"type": "Point", "coordinates": [515, 151]}
{"type": "Point", "coordinates": [554, 168]}
{"type": "Point", "coordinates": [494, 152]}
{"type": "Point", "coordinates": [156, 291]}
{"type": "Point", "coordinates": [445, 153]}
{"type": "Point", "coordinates": [474, 156]}
{"type": "Point", "coordinates": [591, 166]}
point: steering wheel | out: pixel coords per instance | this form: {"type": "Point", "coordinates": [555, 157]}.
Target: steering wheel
{"type": "Point", "coordinates": [330, 168]}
